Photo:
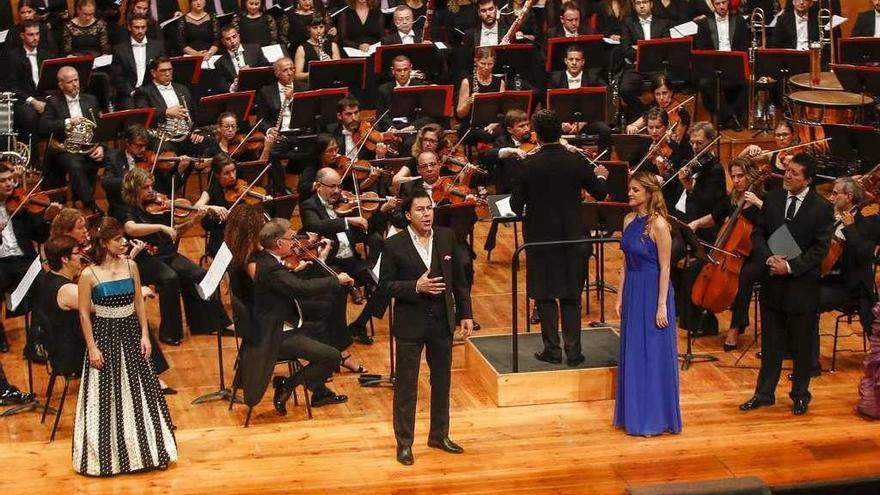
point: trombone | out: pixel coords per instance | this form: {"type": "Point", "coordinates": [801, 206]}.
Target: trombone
{"type": "Point", "coordinates": [759, 29]}
{"type": "Point", "coordinates": [826, 29]}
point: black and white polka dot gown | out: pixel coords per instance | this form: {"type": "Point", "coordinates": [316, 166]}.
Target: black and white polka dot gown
{"type": "Point", "coordinates": [122, 422]}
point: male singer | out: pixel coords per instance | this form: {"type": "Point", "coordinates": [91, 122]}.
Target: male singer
{"type": "Point", "coordinates": [423, 270]}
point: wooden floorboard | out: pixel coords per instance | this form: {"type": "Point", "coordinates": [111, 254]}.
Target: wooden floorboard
{"type": "Point", "coordinates": [553, 449]}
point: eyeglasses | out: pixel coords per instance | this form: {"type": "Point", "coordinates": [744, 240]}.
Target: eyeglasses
{"type": "Point", "coordinates": [329, 186]}
{"type": "Point", "coordinates": [782, 134]}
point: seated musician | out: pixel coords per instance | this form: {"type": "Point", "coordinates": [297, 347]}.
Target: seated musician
{"type": "Point", "coordinates": [229, 140]}
{"type": "Point", "coordinates": [664, 98]}
{"type": "Point", "coordinates": [317, 47]}
{"type": "Point", "coordinates": [784, 136]}
{"type": "Point", "coordinates": [63, 113]}
{"type": "Point", "coordinates": [724, 31]}
{"type": "Point", "coordinates": [427, 139]}
{"type": "Point", "coordinates": [746, 189]}
{"type": "Point", "coordinates": [118, 162]}
{"type": "Point", "coordinates": [574, 77]}
{"type": "Point", "coordinates": [850, 280]}
{"type": "Point", "coordinates": [489, 32]}
{"type": "Point", "coordinates": [404, 33]}
{"type": "Point", "coordinates": [349, 130]}
{"type": "Point", "coordinates": [22, 77]}
{"type": "Point", "coordinates": [325, 154]}
{"type": "Point", "coordinates": [274, 108]}
{"type": "Point", "coordinates": [403, 76]}
{"type": "Point", "coordinates": [866, 22]}
{"type": "Point", "coordinates": [486, 82]}
{"type": "Point", "coordinates": [642, 26]}
{"type": "Point", "coordinates": [361, 25]}
{"type": "Point", "coordinates": [131, 58]}
{"type": "Point", "coordinates": [668, 155]}
{"type": "Point", "coordinates": [27, 12]}
{"type": "Point", "coordinates": [173, 274]}
{"type": "Point", "coordinates": [235, 56]}
{"type": "Point", "coordinates": [17, 240]}
{"type": "Point", "coordinates": [283, 333]}
{"type": "Point", "coordinates": [796, 28]}
{"type": "Point", "coordinates": [505, 158]}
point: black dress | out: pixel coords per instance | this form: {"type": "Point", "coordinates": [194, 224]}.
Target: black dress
{"type": "Point", "coordinates": [214, 227]}
{"type": "Point", "coordinates": [63, 336]}
{"type": "Point", "coordinates": [201, 35]}
{"type": "Point", "coordinates": [260, 30]}
{"type": "Point", "coordinates": [93, 39]}
{"type": "Point", "coordinates": [676, 12]}
{"type": "Point", "coordinates": [353, 32]}
{"type": "Point", "coordinates": [297, 30]}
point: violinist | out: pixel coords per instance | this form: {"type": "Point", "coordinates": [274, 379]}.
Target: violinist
{"type": "Point", "coordinates": [747, 189]}
{"type": "Point", "coordinates": [667, 155]}
{"type": "Point", "coordinates": [664, 98]}
{"type": "Point", "coordinates": [118, 162]}
{"type": "Point", "coordinates": [325, 154]}
{"type": "Point", "coordinates": [427, 139]}
{"type": "Point", "coordinates": [17, 240]}
{"type": "Point", "coordinates": [228, 140]}
{"type": "Point", "coordinates": [510, 147]}
{"type": "Point", "coordinates": [350, 131]}
{"type": "Point", "coordinates": [784, 136]}
{"type": "Point", "coordinates": [173, 274]}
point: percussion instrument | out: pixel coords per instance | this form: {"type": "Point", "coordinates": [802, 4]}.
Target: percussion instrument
{"type": "Point", "coordinates": [827, 81]}
{"type": "Point", "coordinates": [808, 110]}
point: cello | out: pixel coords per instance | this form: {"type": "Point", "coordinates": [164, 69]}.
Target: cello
{"type": "Point", "coordinates": [717, 283]}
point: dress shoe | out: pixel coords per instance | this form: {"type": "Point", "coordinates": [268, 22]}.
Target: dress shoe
{"type": "Point", "coordinates": [477, 326]}
{"type": "Point", "coordinates": [359, 333]}
{"type": "Point", "coordinates": [534, 319]}
{"type": "Point", "coordinates": [543, 356]}
{"type": "Point", "coordinates": [169, 341]}
{"type": "Point", "coordinates": [754, 403]}
{"type": "Point", "coordinates": [327, 397]}
{"type": "Point", "coordinates": [729, 347]}
{"type": "Point", "coordinates": [282, 395]}
{"type": "Point", "coordinates": [575, 362]}
{"type": "Point", "coordinates": [13, 395]}
{"type": "Point", "coordinates": [800, 407]}
{"type": "Point", "coordinates": [447, 445]}
{"type": "Point", "coordinates": [405, 456]}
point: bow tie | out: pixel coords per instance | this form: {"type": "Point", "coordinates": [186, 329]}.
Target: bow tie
{"type": "Point", "coordinates": [135, 44]}
{"type": "Point", "coordinates": [72, 100]}
{"type": "Point", "coordinates": [493, 30]}
{"type": "Point", "coordinates": [574, 80]}
{"type": "Point", "coordinates": [31, 54]}
{"type": "Point", "coordinates": [427, 186]}
{"type": "Point", "coordinates": [645, 22]}
{"type": "Point", "coordinates": [165, 88]}
{"type": "Point", "coordinates": [720, 19]}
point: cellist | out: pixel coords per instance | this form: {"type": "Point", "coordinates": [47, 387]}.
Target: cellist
{"type": "Point", "coordinates": [744, 175]}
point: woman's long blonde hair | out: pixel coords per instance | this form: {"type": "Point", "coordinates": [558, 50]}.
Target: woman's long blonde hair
{"type": "Point", "coordinates": [656, 207]}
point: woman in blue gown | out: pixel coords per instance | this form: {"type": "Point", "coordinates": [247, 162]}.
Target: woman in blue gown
{"type": "Point", "coordinates": [647, 375]}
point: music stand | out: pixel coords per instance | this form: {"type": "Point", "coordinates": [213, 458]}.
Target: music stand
{"type": "Point", "coordinates": [671, 56]}
{"type": "Point", "coordinates": [631, 148]}
{"type": "Point", "coordinates": [49, 71]}
{"type": "Point", "coordinates": [586, 104]}
{"type": "Point", "coordinates": [592, 44]}
{"type": "Point", "coordinates": [313, 110]}
{"type": "Point", "coordinates": [254, 78]}
{"type": "Point", "coordinates": [780, 64]}
{"type": "Point", "coordinates": [618, 180]}
{"type": "Point", "coordinates": [605, 218]}
{"type": "Point", "coordinates": [344, 73]}
{"type": "Point", "coordinates": [417, 102]}
{"type": "Point", "coordinates": [854, 144]}
{"type": "Point", "coordinates": [861, 50]}
{"type": "Point", "coordinates": [112, 125]}
{"type": "Point", "coordinates": [858, 78]}
{"type": "Point", "coordinates": [187, 70]}
{"type": "Point", "coordinates": [490, 108]}
{"type": "Point", "coordinates": [514, 60]}
{"type": "Point", "coordinates": [211, 107]}
{"type": "Point", "coordinates": [718, 65]}
{"type": "Point", "coordinates": [422, 55]}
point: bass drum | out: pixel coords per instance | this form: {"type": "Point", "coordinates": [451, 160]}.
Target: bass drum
{"type": "Point", "coordinates": [808, 110]}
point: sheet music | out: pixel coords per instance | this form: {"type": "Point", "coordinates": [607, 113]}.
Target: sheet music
{"type": "Point", "coordinates": [169, 21]}
{"type": "Point", "coordinates": [3, 35]}
{"type": "Point", "coordinates": [610, 41]}
{"type": "Point", "coordinates": [835, 22]}
{"type": "Point", "coordinates": [209, 63]}
{"type": "Point", "coordinates": [272, 53]}
{"type": "Point", "coordinates": [102, 61]}
{"type": "Point", "coordinates": [682, 30]}
{"type": "Point", "coordinates": [354, 52]}
{"type": "Point", "coordinates": [504, 208]}
{"type": "Point", "coordinates": [440, 45]}
{"type": "Point", "coordinates": [209, 284]}
{"type": "Point", "coordinates": [24, 286]}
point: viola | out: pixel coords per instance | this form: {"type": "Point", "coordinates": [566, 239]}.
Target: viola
{"type": "Point", "coordinates": [36, 203]}
{"type": "Point", "coordinates": [347, 203]}
{"type": "Point", "coordinates": [159, 203]}
{"type": "Point", "coordinates": [254, 196]}
{"type": "Point", "coordinates": [374, 137]}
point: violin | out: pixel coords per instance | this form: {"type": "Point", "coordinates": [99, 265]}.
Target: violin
{"type": "Point", "coordinates": [167, 160]}
{"type": "Point", "coordinates": [361, 169]}
{"type": "Point", "coordinates": [302, 251]}
{"type": "Point", "coordinates": [347, 203]}
{"type": "Point", "coordinates": [870, 183]}
{"type": "Point", "coordinates": [254, 196]}
{"type": "Point", "coordinates": [36, 203]}
{"type": "Point", "coordinates": [529, 142]}
{"type": "Point", "coordinates": [374, 137]}
{"type": "Point", "coordinates": [241, 143]}
{"type": "Point", "coordinates": [446, 189]}
{"type": "Point", "coordinates": [158, 204]}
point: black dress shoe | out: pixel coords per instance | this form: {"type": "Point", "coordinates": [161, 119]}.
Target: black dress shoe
{"type": "Point", "coordinates": [477, 326]}
{"type": "Point", "coordinates": [169, 341]}
{"type": "Point", "coordinates": [800, 407]}
{"type": "Point", "coordinates": [327, 398]}
{"type": "Point", "coordinates": [729, 347]}
{"type": "Point", "coordinates": [360, 334]}
{"type": "Point", "coordinates": [447, 445]}
{"type": "Point", "coordinates": [405, 456]}
{"type": "Point", "coordinates": [575, 362]}
{"type": "Point", "coordinates": [282, 395]}
{"type": "Point", "coordinates": [754, 403]}
{"type": "Point", "coordinates": [13, 395]}
{"type": "Point", "coordinates": [542, 356]}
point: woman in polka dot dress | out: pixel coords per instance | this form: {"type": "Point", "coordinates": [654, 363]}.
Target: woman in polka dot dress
{"type": "Point", "coordinates": [122, 423]}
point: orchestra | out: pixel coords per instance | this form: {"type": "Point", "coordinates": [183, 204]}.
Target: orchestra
{"type": "Point", "coordinates": [173, 141]}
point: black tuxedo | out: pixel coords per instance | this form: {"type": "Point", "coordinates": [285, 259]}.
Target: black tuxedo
{"type": "Point", "coordinates": [785, 33]}
{"type": "Point", "coordinates": [734, 94]}
{"type": "Point", "coordinates": [148, 96]}
{"type": "Point", "coordinates": [316, 219]}
{"type": "Point", "coordinates": [625, 57]}
{"type": "Point", "coordinates": [789, 302]}
{"type": "Point", "coordinates": [253, 57]}
{"type": "Point", "coordinates": [385, 92]}
{"type": "Point", "coordinates": [632, 32]}
{"type": "Point", "coordinates": [18, 73]}
{"type": "Point", "coordinates": [47, 40]}
{"type": "Point", "coordinates": [471, 41]}
{"type": "Point", "coordinates": [28, 229]}
{"type": "Point", "coordinates": [422, 320]}
{"type": "Point", "coordinates": [559, 79]}
{"type": "Point", "coordinates": [393, 38]}
{"type": "Point", "coordinates": [124, 68]}
{"type": "Point", "coordinates": [865, 24]}
{"type": "Point", "coordinates": [709, 189]}
{"type": "Point", "coordinates": [115, 168]}
{"type": "Point", "coordinates": [275, 290]}
{"type": "Point", "coordinates": [707, 33]}
{"type": "Point", "coordinates": [268, 103]}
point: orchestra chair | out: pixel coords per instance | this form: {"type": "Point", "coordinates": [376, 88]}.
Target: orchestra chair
{"type": "Point", "coordinates": [848, 312]}
{"type": "Point", "coordinates": [49, 388]}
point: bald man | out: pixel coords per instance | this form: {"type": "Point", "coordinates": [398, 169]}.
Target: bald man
{"type": "Point", "coordinates": [70, 108]}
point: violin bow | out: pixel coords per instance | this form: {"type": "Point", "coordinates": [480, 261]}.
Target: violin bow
{"type": "Point", "coordinates": [158, 149]}
{"type": "Point", "coordinates": [250, 186]}
{"type": "Point", "coordinates": [24, 201]}
{"type": "Point", "coordinates": [354, 153]}
{"type": "Point", "coordinates": [172, 199]}
{"type": "Point", "coordinates": [654, 147]}
{"type": "Point", "coordinates": [246, 137]}
{"type": "Point", "coordinates": [692, 161]}
{"type": "Point", "coordinates": [770, 152]}
{"type": "Point", "coordinates": [456, 145]}
{"type": "Point", "coordinates": [673, 109]}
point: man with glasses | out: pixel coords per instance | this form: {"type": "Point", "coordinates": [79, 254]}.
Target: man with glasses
{"type": "Point", "coordinates": [118, 162]}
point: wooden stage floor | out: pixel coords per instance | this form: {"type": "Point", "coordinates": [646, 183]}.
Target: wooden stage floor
{"type": "Point", "coordinates": [557, 448]}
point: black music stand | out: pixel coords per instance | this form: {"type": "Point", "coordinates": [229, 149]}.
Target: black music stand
{"type": "Point", "coordinates": [211, 107]}
{"type": "Point", "coordinates": [490, 108]}
{"type": "Point", "coordinates": [313, 110]}
{"type": "Point", "coordinates": [617, 182]}
{"type": "Point", "coordinates": [586, 104]}
{"type": "Point", "coordinates": [631, 148]}
{"type": "Point", "coordinates": [516, 60]}
{"type": "Point", "coordinates": [671, 56]}
{"type": "Point", "coordinates": [780, 64]}
{"type": "Point", "coordinates": [187, 70]}
{"type": "Point", "coordinates": [858, 78]}
{"type": "Point", "coordinates": [854, 144]}
{"type": "Point", "coordinates": [254, 78]}
{"type": "Point", "coordinates": [606, 218]}
{"type": "Point", "coordinates": [419, 102]}
{"type": "Point", "coordinates": [49, 71]}
{"type": "Point", "coordinates": [861, 50]}
{"type": "Point", "coordinates": [344, 73]}
{"type": "Point", "coordinates": [718, 65]}
{"type": "Point", "coordinates": [422, 55]}
{"type": "Point", "coordinates": [592, 44]}
{"type": "Point", "coordinates": [112, 125]}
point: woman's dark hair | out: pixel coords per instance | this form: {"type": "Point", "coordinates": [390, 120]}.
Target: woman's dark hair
{"type": "Point", "coordinates": [242, 231]}
{"type": "Point", "coordinates": [109, 228]}
{"type": "Point", "coordinates": [322, 141]}
{"type": "Point", "coordinates": [659, 81]}
{"type": "Point", "coordinates": [58, 247]}
{"type": "Point", "coordinates": [317, 19]}
{"type": "Point", "coordinates": [547, 125]}
{"type": "Point", "coordinates": [220, 161]}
